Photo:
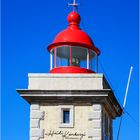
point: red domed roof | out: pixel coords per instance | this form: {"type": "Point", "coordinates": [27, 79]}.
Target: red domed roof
{"type": "Point", "coordinates": [73, 35]}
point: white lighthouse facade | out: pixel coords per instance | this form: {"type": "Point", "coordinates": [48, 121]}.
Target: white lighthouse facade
{"type": "Point", "coordinates": [73, 101]}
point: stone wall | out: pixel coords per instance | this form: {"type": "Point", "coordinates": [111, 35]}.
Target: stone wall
{"type": "Point", "coordinates": [87, 123]}
{"type": "Point", "coordinates": [35, 116]}
{"type": "Point", "coordinates": [95, 118]}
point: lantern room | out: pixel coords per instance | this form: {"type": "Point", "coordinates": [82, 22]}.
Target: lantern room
{"type": "Point", "coordinates": [72, 50]}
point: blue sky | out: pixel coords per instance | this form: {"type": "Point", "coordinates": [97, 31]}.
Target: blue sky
{"type": "Point", "coordinates": [28, 26]}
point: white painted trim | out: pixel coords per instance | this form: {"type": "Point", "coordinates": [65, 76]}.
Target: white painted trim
{"type": "Point", "coordinates": [64, 95]}
{"type": "Point", "coordinates": [88, 59]}
{"type": "Point", "coordinates": [51, 60]}
{"type": "Point", "coordinates": [48, 75]}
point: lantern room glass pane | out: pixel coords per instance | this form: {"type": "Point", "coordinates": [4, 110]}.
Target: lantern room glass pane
{"type": "Point", "coordinates": [63, 52]}
{"type": "Point", "coordinates": [79, 56]}
{"type": "Point", "coordinates": [93, 61]}
{"type": "Point", "coordinates": [74, 56]}
{"type": "Point", "coordinates": [79, 52]}
{"type": "Point", "coordinates": [62, 56]}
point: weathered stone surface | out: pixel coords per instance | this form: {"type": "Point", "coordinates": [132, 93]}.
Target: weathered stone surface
{"type": "Point", "coordinates": [37, 132]}
{"type": "Point", "coordinates": [94, 132]}
{"type": "Point", "coordinates": [34, 138]}
{"type": "Point", "coordinates": [94, 115]}
{"type": "Point", "coordinates": [36, 114]}
{"type": "Point", "coordinates": [34, 123]}
{"type": "Point", "coordinates": [34, 107]}
{"type": "Point", "coordinates": [96, 124]}
{"type": "Point", "coordinates": [96, 107]}
{"type": "Point", "coordinates": [65, 82]}
{"type": "Point", "coordinates": [96, 138]}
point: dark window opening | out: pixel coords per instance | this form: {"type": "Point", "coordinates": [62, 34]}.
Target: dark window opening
{"type": "Point", "coordinates": [66, 116]}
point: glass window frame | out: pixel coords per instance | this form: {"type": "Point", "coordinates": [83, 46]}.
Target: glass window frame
{"type": "Point", "coordinates": [71, 116]}
{"type": "Point", "coordinates": [89, 59]}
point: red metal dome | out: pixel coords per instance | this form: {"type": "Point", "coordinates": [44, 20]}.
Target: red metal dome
{"type": "Point", "coordinates": [73, 35]}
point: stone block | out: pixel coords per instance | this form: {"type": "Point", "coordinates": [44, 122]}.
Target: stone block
{"type": "Point", "coordinates": [96, 107]}
{"type": "Point", "coordinates": [94, 133]}
{"type": "Point", "coordinates": [34, 138]}
{"type": "Point", "coordinates": [96, 123]}
{"type": "Point", "coordinates": [96, 138]}
{"type": "Point", "coordinates": [37, 132]}
{"type": "Point", "coordinates": [95, 115]}
{"type": "Point", "coordinates": [34, 123]}
{"type": "Point", "coordinates": [36, 114]}
{"type": "Point", "coordinates": [97, 133]}
{"type": "Point", "coordinates": [90, 133]}
{"type": "Point", "coordinates": [90, 116]}
{"type": "Point", "coordinates": [34, 107]}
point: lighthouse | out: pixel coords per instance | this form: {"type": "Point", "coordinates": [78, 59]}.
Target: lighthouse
{"type": "Point", "coordinates": [73, 101]}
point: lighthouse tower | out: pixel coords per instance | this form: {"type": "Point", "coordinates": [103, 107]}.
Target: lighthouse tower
{"type": "Point", "coordinates": [73, 101]}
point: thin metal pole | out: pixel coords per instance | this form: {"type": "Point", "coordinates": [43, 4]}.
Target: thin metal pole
{"type": "Point", "coordinates": [126, 93]}
{"type": "Point", "coordinates": [119, 128]}
{"type": "Point", "coordinates": [124, 103]}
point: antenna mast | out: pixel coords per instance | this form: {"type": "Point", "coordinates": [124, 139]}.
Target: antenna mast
{"type": "Point", "coordinates": [125, 98]}
{"type": "Point", "coordinates": [126, 93]}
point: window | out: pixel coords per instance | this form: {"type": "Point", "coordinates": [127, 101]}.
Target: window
{"type": "Point", "coordinates": [66, 116]}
